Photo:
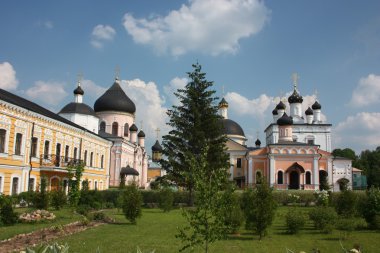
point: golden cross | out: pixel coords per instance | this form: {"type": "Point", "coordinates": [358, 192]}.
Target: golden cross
{"type": "Point", "coordinates": [295, 78]}
{"type": "Point", "coordinates": [80, 77]}
{"type": "Point", "coordinates": [158, 132]}
{"type": "Point", "coordinates": [117, 72]}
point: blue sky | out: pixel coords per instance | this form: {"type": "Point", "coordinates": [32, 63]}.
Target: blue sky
{"type": "Point", "coordinates": [250, 47]}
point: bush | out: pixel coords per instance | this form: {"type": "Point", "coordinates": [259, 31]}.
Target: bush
{"type": "Point", "coordinates": [371, 208]}
{"type": "Point", "coordinates": [26, 197]}
{"type": "Point", "coordinates": [295, 221]}
{"type": "Point", "coordinates": [132, 201]}
{"type": "Point", "coordinates": [7, 214]}
{"type": "Point", "coordinates": [166, 199]}
{"type": "Point", "coordinates": [321, 198]}
{"type": "Point", "coordinates": [83, 209]}
{"type": "Point", "coordinates": [234, 215]}
{"type": "Point", "coordinates": [42, 198]}
{"type": "Point", "coordinates": [346, 204]}
{"type": "Point", "coordinates": [286, 197]}
{"type": "Point", "coordinates": [324, 218]}
{"type": "Point", "coordinates": [58, 199]}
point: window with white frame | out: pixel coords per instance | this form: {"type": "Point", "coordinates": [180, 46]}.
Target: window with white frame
{"type": "Point", "coordinates": [34, 146]}
{"type": "Point", "coordinates": [18, 144]}
{"type": "Point", "coordinates": [3, 134]}
{"type": "Point", "coordinates": [15, 185]}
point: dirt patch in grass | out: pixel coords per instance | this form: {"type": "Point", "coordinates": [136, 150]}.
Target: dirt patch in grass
{"type": "Point", "coordinates": [21, 241]}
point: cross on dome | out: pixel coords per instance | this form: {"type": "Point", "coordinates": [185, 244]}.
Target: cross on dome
{"type": "Point", "coordinates": [295, 78]}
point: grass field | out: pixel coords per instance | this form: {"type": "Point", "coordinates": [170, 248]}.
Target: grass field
{"type": "Point", "coordinates": [156, 231]}
{"type": "Point", "coordinates": [63, 216]}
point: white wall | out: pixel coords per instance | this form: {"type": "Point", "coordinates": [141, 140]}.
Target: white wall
{"type": "Point", "coordinates": [341, 169]}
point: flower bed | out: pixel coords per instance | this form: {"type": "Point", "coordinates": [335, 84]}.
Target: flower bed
{"type": "Point", "coordinates": [36, 216]}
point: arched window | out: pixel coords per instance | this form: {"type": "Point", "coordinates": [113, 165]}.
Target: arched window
{"type": "Point", "coordinates": [126, 129]}
{"type": "Point", "coordinates": [308, 177]}
{"type": "Point", "coordinates": [115, 127]}
{"type": "Point", "coordinates": [102, 127]}
{"type": "Point", "coordinates": [280, 177]}
{"type": "Point", "coordinates": [258, 177]}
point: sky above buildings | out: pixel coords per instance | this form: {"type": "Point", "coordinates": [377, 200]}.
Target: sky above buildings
{"type": "Point", "coordinates": [249, 49]}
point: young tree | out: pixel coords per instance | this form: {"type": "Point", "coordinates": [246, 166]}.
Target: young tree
{"type": "Point", "coordinates": [195, 125]}
{"type": "Point", "coordinates": [131, 202]}
{"type": "Point", "coordinates": [75, 172]}
{"type": "Point", "coordinates": [206, 222]}
{"type": "Point", "coordinates": [259, 208]}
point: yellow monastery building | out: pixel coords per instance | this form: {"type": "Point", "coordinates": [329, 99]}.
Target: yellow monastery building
{"type": "Point", "coordinates": [36, 142]}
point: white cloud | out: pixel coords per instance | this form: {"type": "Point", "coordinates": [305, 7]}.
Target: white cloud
{"type": "Point", "coordinates": [92, 91]}
{"type": "Point", "coordinates": [208, 26]}
{"type": "Point", "coordinates": [101, 34]}
{"type": "Point", "coordinates": [48, 25]}
{"type": "Point", "coordinates": [8, 80]}
{"type": "Point", "coordinates": [359, 132]}
{"type": "Point", "coordinates": [367, 92]}
{"type": "Point", "coordinates": [175, 84]}
{"type": "Point", "coordinates": [50, 93]}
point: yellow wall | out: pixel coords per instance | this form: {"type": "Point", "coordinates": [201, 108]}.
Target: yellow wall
{"type": "Point", "coordinates": [16, 119]}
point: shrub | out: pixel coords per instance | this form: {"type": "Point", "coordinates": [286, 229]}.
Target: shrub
{"type": "Point", "coordinates": [42, 198]}
{"type": "Point", "coordinates": [83, 209]}
{"type": "Point", "coordinates": [346, 204]}
{"type": "Point", "coordinates": [371, 208]}
{"type": "Point", "coordinates": [234, 215]}
{"type": "Point", "coordinates": [321, 198]}
{"type": "Point", "coordinates": [26, 197]}
{"type": "Point", "coordinates": [166, 199]}
{"type": "Point", "coordinates": [295, 221]}
{"type": "Point", "coordinates": [58, 199]}
{"type": "Point", "coordinates": [132, 201]}
{"type": "Point", "coordinates": [7, 214]}
{"type": "Point", "coordinates": [53, 248]}
{"type": "Point", "coordinates": [324, 218]}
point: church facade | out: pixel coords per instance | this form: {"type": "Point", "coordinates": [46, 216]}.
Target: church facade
{"type": "Point", "coordinates": [297, 154]}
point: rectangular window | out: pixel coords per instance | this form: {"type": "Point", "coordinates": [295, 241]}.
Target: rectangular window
{"type": "Point", "coordinates": [18, 144]}
{"type": "Point", "coordinates": [91, 158]}
{"type": "Point", "coordinates": [85, 157]}
{"type": "Point", "coordinates": [14, 185]}
{"type": "Point", "coordinates": [1, 183]}
{"type": "Point", "coordinates": [33, 150]}
{"type": "Point", "coordinates": [66, 153]}
{"type": "Point", "coordinates": [102, 161]}
{"type": "Point", "coordinates": [46, 149]}
{"type": "Point", "coordinates": [75, 153]}
{"type": "Point", "coordinates": [311, 142]}
{"type": "Point", "coordinates": [238, 163]}
{"type": "Point", "coordinates": [31, 184]}
{"type": "Point", "coordinates": [3, 133]}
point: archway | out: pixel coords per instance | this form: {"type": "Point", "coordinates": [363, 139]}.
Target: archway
{"type": "Point", "coordinates": [323, 182]}
{"type": "Point", "coordinates": [294, 180]}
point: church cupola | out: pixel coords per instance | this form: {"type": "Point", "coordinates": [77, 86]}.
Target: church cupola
{"type": "Point", "coordinates": [78, 94]}
{"type": "Point", "coordinates": [280, 107]}
{"type": "Point", "coordinates": [133, 130]}
{"type": "Point", "coordinates": [295, 100]}
{"type": "Point", "coordinates": [285, 128]}
{"type": "Point", "coordinates": [141, 138]}
{"type": "Point", "coordinates": [317, 111]}
{"type": "Point", "coordinates": [223, 106]}
{"type": "Point", "coordinates": [309, 115]}
{"type": "Point", "coordinates": [258, 143]}
{"type": "Point", "coordinates": [156, 151]}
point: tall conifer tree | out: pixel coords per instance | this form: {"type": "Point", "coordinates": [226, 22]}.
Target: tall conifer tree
{"type": "Point", "coordinates": [196, 131]}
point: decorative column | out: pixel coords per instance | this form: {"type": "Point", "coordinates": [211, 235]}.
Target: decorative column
{"type": "Point", "coordinates": [271, 170]}
{"type": "Point", "coordinates": [250, 168]}
{"type": "Point", "coordinates": [232, 172]}
{"type": "Point", "coordinates": [316, 173]}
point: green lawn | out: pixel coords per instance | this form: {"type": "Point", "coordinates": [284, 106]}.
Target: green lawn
{"type": "Point", "coordinates": [63, 216]}
{"type": "Point", "coordinates": [156, 230]}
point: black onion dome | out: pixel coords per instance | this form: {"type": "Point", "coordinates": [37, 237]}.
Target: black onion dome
{"type": "Point", "coordinates": [230, 127]}
{"type": "Point", "coordinates": [115, 99]}
{"type": "Point", "coordinates": [141, 134]}
{"type": "Point", "coordinates": [285, 120]}
{"type": "Point", "coordinates": [309, 111]}
{"type": "Point", "coordinates": [316, 106]}
{"type": "Point", "coordinates": [133, 128]}
{"type": "Point", "coordinates": [78, 91]}
{"type": "Point", "coordinates": [125, 171]}
{"type": "Point", "coordinates": [157, 147]}
{"type": "Point", "coordinates": [275, 112]}
{"type": "Point", "coordinates": [295, 98]}
{"type": "Point", "coordinates": [79, 108]}
{"type": "Point", "coordinates": [257, 142]}
{"type": "Point", "coordinates": [223, 102]}
{"type": "Point", "coordinates": [280, 106]}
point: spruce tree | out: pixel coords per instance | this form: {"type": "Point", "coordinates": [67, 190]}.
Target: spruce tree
{"type": "Point", "coordinates": [196, 129]}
